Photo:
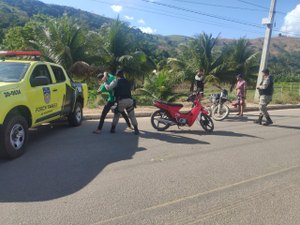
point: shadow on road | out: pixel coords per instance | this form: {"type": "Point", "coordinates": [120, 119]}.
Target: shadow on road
{"type": "Point", "coordinates": [233, 134]}
{"type": "Point", "coordinates": [172, 138]}
{"type": "Point", "coordinates": [60, 161]}
{"type": "Point", "coordinates": [238, 119]}
{"type": "Point", "coordinates": [253, 117]}
{"type": "Point", "coordinates": [286, 127]}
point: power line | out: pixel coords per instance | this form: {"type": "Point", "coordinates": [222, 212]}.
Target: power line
{"type": "Point", "coordinates": [253, 4]}
{"type": "Point", "coordinates": [216, 16]}
{"type": "Point", "coordinates": [192, 19]}
{"type": "Point", "coordinates": [285, 13]}
{"type": "Point", "coordinates": [263, 7]}
{"type": "Point", "coordinates": [205, 14]}
{"type": "Point", "coordinates": [185, 17]}
{"type": "Point", "coordinates": [276, 11]}
{"type": "Point", "coordinates": [217, 5]}
{"type": "Point", "coordinates": [188, 18]}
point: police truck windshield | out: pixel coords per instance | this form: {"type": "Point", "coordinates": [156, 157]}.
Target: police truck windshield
{"type": "Point", "coordinates": [12, 72]}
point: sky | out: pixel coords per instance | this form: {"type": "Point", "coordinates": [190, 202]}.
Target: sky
{"type": "Point", "coordinates": [227, 18]}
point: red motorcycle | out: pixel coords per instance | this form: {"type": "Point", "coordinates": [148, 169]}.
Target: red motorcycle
{"type": "Point", "coordinates": [169, 114]}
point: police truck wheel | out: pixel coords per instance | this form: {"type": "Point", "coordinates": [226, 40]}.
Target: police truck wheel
{"type": "Point", "coordinates": [75, 118]}
{"type": "Point", "coordinates": [13, 136]}
{"type": "Point", "coordinates": [158, 119]}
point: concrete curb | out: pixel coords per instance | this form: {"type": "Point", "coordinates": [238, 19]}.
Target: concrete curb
{"type": "Point", "coordinates": [94, 116]}
{"type": "Point", "coordinates": [111, 115]}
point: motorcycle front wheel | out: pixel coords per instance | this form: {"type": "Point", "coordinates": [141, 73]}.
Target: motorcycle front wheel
{"type": "Point", "coordinates": [159, 120]}
{"type": "Point", "coordinates": [220, 112]}
{"type": "Point", "coordinates": [206, 123]}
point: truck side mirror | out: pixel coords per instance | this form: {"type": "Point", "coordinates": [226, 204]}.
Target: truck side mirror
{"type": "Point", "coordinates": [39, 81]}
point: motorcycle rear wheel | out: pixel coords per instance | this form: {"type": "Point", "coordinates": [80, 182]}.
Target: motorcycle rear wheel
{"type": "Point", "coordinates": [155, 120]}
{"type": "Point", "coordinates": [221, 114]}
{"type": "Point", "coordinates": [206, 123]}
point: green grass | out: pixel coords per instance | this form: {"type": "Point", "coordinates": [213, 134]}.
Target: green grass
{"type": "Point", "coordinates": [284, 93]}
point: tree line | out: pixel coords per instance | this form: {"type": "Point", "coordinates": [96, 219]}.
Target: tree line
{"type": "Point", "coordinates": [149, 62]}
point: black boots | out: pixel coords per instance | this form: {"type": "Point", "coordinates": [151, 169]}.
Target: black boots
{"type": "Point", "coordinates": [113, 129]}
{"type": "Point", "coordinates": [258, 121]}
{"type": "Point", "coordinates": [136, 130]}
{"type": "Point", "coordinates": [269, 121]}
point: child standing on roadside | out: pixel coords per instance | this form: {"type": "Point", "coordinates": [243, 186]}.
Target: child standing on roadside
{"type": "Point", "coordinates": [241, 94]}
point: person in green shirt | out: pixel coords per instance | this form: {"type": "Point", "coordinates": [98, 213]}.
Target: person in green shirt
{"type": "Point", "coordinates": [103, 79]}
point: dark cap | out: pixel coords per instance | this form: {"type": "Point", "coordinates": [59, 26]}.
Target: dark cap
{"type": "Point", "coordinates": [120, 73]}
{"type": "Point", "coordinates": [266, 71]}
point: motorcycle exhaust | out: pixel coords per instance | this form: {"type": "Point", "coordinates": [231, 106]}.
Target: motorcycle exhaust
{"type": "Point", "coordinates": [165, 121]}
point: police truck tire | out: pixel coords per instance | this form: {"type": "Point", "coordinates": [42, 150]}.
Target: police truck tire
{"type": "Point", "coordinates": [75, 118]}
{"type": "Point", "coordinates": [13, 137]}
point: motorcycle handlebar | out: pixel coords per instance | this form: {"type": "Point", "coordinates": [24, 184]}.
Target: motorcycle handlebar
{"type": "Point", "coordinates": [219, 87]}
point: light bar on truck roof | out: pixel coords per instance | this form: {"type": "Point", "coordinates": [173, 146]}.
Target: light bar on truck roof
{"type": "Point", "coordinates": [20, 53]}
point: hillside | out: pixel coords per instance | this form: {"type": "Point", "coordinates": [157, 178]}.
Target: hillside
{"type": "Point", "coordinates": [279, 45]}
{"type": "Point", "coordinates": [18, 12]}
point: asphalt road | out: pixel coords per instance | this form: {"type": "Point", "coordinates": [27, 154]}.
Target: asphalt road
{"type": "Point", "coordinates": [240, 174]}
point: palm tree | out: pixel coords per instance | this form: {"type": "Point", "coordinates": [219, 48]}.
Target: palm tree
{"type": "Point", "coordinates": [199, 53]}
{"type": "Point", "coordinates": [122, 44]}
{"type": "Point", "coordinates": [204, 46]}
{"type": "Point", "coordinates": [160, 85]}
{"type": "Point", "coordinates": [60, 40]}
{"type": "Point", "coordinates": [117, 42]}
{"type": "Point", "coordinates": [239, 57]}
{"type": "Point", "coordinates": [137, 66]}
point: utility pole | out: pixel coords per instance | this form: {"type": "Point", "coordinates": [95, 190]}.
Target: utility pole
{"type": "Point", "coordinates": [265, 51]}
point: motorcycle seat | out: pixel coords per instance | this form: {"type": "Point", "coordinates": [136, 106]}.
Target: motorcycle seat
{"type": "Point", "coordinates": [170, 104]}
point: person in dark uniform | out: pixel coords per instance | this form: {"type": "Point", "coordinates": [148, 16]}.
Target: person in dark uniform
{"type": "Point", "coordinates": [103, 79]}
{"type": "Point", "coordinates": [266, 89]}
{"type": "Point", "coordinates": [122, 91]}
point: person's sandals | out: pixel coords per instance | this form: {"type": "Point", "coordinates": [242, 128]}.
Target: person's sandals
{"type": "Point", "coordinates": [96, 131]}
